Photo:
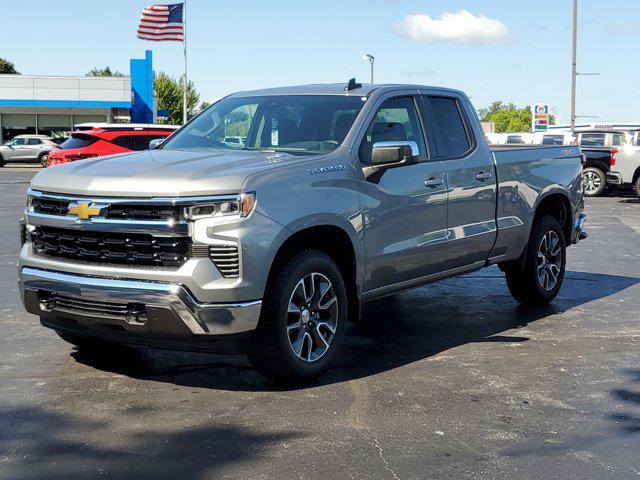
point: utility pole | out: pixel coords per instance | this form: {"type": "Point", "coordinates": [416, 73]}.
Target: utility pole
{"type": "Point", "coordinates": [573, 65]}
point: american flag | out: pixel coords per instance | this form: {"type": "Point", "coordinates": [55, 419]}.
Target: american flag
{"type": "Point", "coordinates": [162, 23]}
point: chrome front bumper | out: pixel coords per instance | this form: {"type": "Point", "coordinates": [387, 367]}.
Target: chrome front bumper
{"type": "Point", "coordinates": [92, 298]}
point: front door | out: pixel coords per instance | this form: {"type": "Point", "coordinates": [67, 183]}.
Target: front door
{"type": "Point", "coordinates": [404, 211]}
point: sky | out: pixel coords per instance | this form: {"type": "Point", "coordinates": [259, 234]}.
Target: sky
{"type": "Point", "coordinates": [513, 51]}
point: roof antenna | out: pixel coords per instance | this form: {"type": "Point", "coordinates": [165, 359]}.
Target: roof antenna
{"type": "Point", "coordinates": [352, 85]}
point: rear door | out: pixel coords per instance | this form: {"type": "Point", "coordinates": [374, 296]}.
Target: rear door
{"type": "Point", "coordinates": [32, 148]}
{"type": "Point", "coordinates": [405, 210]}
{"type": "Point", "coordinates": [471, 182]}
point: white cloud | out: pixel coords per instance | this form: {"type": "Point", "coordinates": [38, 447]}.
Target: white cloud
{"type": "Point", "coordinates": [458, 27]}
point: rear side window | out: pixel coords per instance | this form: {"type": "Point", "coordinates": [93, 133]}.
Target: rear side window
{"type": "Point", "coordinates": [34, 141]}
{"type": "Point", "coordinates": [592, 140]}
{"type": "Point", "coordinates": [552, 140]}
{"type": "Point", "coordinates": [453, 130]}
{"type": "Point", "coordinates": [617, 139]}
{"type": "Point", "coordinates": [125, 141]}
{"type": "Point", "coordinates": [78, 140]}
{"type": "Point", "coordinates": [135, 142]}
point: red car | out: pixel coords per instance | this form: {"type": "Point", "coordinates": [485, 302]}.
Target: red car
{"type": "Point", "coordinates": [106, 140]}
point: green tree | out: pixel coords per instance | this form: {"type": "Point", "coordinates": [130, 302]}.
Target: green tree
{"type": "Point", "coordinates": [203, 106]}
{"type": "Point", "coordinates": [168, 91]}
{"type": "Point", "coordinates": [507, 117]}
{"type": "Point", "coordinates": [6, 67]}
{"type": "Point", "coordinates": [104, 72]}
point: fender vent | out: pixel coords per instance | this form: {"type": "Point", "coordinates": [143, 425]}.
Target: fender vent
{"type": "Point", "coordinates": [226, 259]}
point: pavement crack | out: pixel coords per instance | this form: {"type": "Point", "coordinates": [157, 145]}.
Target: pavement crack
{"type": "Point", "coordinates": [384, 460]}
{"type": "Point", "coordinates": [358, 417]}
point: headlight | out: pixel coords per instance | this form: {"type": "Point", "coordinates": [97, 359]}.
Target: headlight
{"type": "Point", "coordinates": [239, 206]}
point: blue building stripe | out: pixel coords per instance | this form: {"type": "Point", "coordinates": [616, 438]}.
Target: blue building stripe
{"type": "Point", "coordinates": [63, 103]}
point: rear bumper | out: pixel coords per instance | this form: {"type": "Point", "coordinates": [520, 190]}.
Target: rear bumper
{"type": "Point", "coordinates": [614, 178]}
{"type": "Point", "coordinates": [133, 309]}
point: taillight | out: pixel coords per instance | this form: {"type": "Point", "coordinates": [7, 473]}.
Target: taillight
{"type": "Point", "coordinates": [613, 156]}
{"type": "Point", "coordinates": [80, 156]}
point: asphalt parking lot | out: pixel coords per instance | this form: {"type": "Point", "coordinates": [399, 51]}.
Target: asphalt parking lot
{"type": "Point", "coordinates": [452, 380]}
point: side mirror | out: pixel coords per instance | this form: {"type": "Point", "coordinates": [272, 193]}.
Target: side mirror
{"type": "Point", "coordinates": [386, 155]}
{"type": "Point", "coordinates": [155, 143]}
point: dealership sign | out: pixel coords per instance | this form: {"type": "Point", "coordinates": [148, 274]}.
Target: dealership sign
{"type": "Point", "coordinates": [540, 117]}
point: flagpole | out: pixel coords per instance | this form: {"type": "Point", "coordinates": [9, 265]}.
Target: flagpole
{"type": "Point", "coordinates": [184, 93]}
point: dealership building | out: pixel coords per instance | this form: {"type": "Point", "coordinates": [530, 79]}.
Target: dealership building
{"type": "Point", "coordinates": [52, 105]}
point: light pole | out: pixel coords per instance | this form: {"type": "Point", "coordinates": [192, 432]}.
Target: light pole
{"type": "Point", "coordinates": [371, 59]}
{"type": "Point", "coordinates": [573, 66]}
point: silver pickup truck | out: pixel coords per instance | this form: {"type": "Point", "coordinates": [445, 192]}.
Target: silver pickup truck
{"type": "Point", "coordinates": [339, 195]}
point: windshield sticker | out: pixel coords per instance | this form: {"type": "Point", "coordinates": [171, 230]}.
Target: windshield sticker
{"type": "Point", "coordinates": [274, 132]}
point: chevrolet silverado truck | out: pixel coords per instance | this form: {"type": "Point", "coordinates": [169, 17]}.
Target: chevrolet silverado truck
{"type": "Point", "coordinates": [338, 196]}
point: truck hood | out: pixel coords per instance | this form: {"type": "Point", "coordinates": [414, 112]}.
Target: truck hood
{"type": "Point", "coordinates": [153, 173]}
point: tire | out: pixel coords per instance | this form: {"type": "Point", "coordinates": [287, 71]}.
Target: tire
{"type": "Point", "coordinates": [83, 343]}
{"type": "Point", "coordinates": [287, 346]}
{"type": "Point", "coordinates": [43, 159]}
{"type": "Point", "coordinates": [595, 182]}
{"type": "Point", "coordinates": [2, 162]}
{"type": "Point", "coordinates": [637, 187]}
{"type": "Point", "coordinates": [534, 285]}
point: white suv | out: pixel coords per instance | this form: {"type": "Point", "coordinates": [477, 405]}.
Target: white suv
{"type": "Point", "coordinates": [27, 148]}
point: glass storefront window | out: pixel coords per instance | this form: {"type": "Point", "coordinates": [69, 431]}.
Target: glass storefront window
{"type": "Point", "coordinates": [77, 119]}
{"type": "Point", "coordinates": [17, 124]}
{"type": "Point", "coordinates": [54, 125]}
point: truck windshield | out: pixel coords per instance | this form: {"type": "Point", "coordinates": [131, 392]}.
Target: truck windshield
{"type": "Point", "coordinates": [296, 124]}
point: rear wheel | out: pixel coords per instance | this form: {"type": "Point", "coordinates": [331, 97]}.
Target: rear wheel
{"type": "Point", "coordinates": [303, 320]}
{"type": "Point", "coordinates": [538, 282]}
{"type": "Point", "coordinates": [595, 182]}
{"type": "Point", "coordinates": [44, 159]}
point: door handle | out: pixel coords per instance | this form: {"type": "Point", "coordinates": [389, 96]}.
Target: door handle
{"type": "Point", "coordinates": [433, 182]}
{"type": "Point", "coordinates": [482, 176]}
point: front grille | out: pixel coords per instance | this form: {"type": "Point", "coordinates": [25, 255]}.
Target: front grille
{"type": "Point", "coordinates": [116, 211]}
{"type": "Point", "coordinates": [226, 259]}
{"type": "Point", "coordinates": [132, 312]}
{"type": "Point", "coordinates": [111, 248]}
{"type": "Point", "coordinates": [142, 212]}
{"type": "Point", "coordinates": [49, 206]}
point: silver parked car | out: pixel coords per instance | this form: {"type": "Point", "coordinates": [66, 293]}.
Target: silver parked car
{"type": "Point", "coordinates": [27, 148]}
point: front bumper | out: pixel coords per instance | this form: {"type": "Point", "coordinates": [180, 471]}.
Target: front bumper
{"type": "Point", "coordinates": [580, 233]}
{"type": "Point", "coordinates": [156, 309]}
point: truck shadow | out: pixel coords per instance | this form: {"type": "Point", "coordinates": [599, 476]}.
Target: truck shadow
{"type": "Point", "coordinates": [395, 331]}
{"type": "Point", "coordinates": [42, 443]}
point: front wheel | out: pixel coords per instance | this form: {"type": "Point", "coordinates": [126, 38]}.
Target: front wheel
{"type": "Point", "coordinates": [303, 320]}
{"type": "Point", "coordinates": [595, 182]}
{"type": "Point", "coordinates": [637, 187]}
{"type": "Point", "coordinates": [539, 281]}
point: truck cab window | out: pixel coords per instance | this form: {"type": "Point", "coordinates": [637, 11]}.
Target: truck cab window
{"type": "Point", "coordinates": [395, 121]}
{"type": "Point", "coordinates": [453, 139]}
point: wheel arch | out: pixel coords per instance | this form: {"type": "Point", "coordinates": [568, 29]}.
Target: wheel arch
{"type": "Point", "coordinates": [331, 237]}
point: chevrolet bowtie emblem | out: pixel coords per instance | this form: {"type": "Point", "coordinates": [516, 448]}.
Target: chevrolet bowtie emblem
{"type": "Point", "coordinates": [83, 210]}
